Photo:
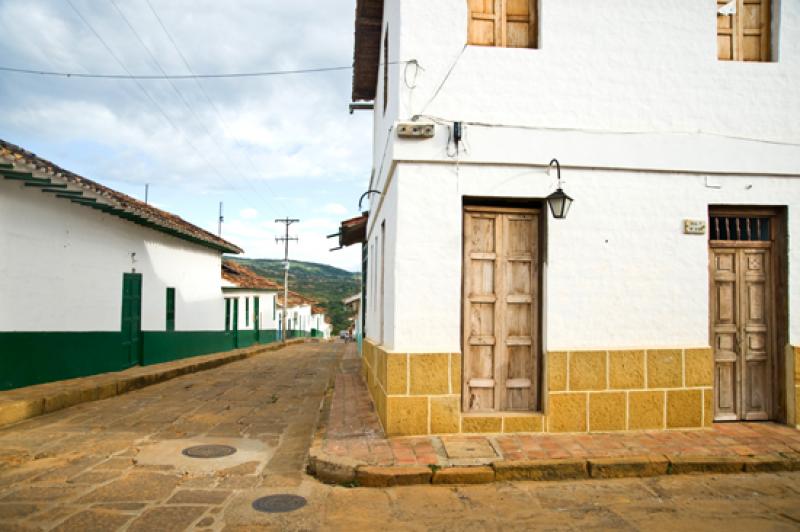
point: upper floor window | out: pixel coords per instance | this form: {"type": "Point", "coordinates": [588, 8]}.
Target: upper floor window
{"type": "Point", "coordinates": [506, 23]}
{"type": "Point", "coordinates": [743, 30]}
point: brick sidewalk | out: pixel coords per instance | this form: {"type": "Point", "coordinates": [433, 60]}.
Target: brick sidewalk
{"type": "Point", "coordinates": [353, 433]}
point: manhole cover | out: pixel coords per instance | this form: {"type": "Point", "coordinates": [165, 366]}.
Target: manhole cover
{"type": "Point", "coordinates": [279, 503]}
{"type": "Point", "coordinates": [208, 451]}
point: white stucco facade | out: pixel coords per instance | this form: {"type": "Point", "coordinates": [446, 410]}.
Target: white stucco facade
{"type": "Point", "coordinates": [650, 128]}
{"type": "Point", "coordinates": [247, 308]}
{"type": "Point", "coordinates": [62, 267]}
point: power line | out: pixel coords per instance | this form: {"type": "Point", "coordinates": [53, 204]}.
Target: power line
{"type": "Point", "coordinates": [222, 120]}
{"type": "Point", "coordinates": [151, 99]}
{"type": "Point", "coordinates": [185, 102]}
{"type": "Point", "coordinates": [185, 76]}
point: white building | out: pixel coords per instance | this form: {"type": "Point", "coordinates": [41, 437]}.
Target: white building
{"type": "Point", "coordinates": [250, 305]}
{"type": "Point", "coordinates": [300, 313]}
{"type": "Point", "coordinates": [92, 280]}
{"type": "Point", "coordinates": [677, 158]}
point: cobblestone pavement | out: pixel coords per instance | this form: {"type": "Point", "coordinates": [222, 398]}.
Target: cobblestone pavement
{"type": "Point", "coordinates": [116, 465]}
{"type": "Point", "coordinates": [353, 431]}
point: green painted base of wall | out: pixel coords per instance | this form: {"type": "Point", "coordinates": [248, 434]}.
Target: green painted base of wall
{"type": "Point", "coordinates": [163, 346]}
{"type": "Point", "coordinates": [28, 358]}
{"type": "Point", "coordinates": [35, 357]}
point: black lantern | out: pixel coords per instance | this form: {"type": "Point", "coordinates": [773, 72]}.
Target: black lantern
{"type": "Point", "coordinates": [559, 202]}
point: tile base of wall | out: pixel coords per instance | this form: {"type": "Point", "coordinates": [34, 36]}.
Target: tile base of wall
{"type": "Point", "coordinates": [588, 391]}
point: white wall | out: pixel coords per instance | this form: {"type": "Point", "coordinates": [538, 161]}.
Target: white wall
{"type": "Point", "coordinates": [61, 268]}
{"type": "Point", "coordinates": [265, 308]}
{"type": "Point", "coordinates": [648, 69]}
{"type": "Point", "coordinates": [630, 97]}
{"type": "Point", "coordinates": [620, 271]}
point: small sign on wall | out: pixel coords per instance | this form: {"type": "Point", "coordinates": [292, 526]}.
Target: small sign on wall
{"type": "Point", "coordinates": [694, 227]}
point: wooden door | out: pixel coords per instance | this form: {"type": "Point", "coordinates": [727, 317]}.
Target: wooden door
{"type": "Point", "coordinates": [500, 314]}
{"type": "Point", "coordinates": [132, 316]}
{"type": "Point", "coordinates": [742, 310]}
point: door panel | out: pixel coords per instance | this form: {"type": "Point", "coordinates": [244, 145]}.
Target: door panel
{"type": "Point", "coordinates": [741, 306]}
{"type": "Point", "coordinates": [755, 344]}
{"type": "Point", "coordinates": [500, 309]}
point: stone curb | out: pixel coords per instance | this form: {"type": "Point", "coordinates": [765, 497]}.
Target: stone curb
{"type": "Point", "coordinates": [349, 472]}
{"type": "Point", "coordinates": [96, 387]}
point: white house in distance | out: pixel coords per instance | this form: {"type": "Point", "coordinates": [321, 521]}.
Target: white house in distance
{"type": "Point", "coordinates": [668, 296]}
{"type": "Point", "coordinates": [92, 280]}
{"type": "Point", "coordinates": [305, 318]}
{"type": "Point", "coordinates": [250, 304]}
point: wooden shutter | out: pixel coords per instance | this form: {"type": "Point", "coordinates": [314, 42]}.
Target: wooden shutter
{"type": "Point", "coordinates": [505, 23]}
{"type": "Point", "coordinates": [484, 22]}
{"type": "Point", "coordinates": [745, 35]}
{"type": "Point", "coordinates": [521, 24]}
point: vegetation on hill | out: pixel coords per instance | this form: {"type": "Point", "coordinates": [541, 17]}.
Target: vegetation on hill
{"type": "Point", "coordinates": [326, 284]}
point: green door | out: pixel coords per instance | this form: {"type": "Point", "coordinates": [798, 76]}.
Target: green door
{"type": "Point", "coordinates": [236, 322]}
{"type": "Point", "coordinates": [257, 318]}
{"type": "Point", "coordinates": [132, 317]}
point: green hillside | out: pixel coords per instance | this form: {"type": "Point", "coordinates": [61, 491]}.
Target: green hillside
{"type": "Point", "coordinates": [321, 282]}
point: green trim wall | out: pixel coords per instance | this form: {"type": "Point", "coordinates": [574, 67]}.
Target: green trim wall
{"type": "Point", "coordinates": [28, 358]}
{"type": "Point", "coordinates": [35, 357]}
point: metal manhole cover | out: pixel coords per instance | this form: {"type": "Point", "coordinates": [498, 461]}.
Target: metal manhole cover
{"type": "Point", "coordinates": [279, 503]}
{"type": "Point", "coordinates": [208, 451]}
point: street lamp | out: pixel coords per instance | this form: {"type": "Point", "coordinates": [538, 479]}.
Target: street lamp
{"type": "Point", "coordinates": [559, 202]}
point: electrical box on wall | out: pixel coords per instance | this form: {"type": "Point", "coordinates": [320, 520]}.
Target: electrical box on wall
{"type": "Point", "coordinates": [694, 227]}
{"type": "Point", "coordinates": [415, 130]}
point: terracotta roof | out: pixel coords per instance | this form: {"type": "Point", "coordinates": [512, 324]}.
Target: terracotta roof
{"type": "Point", "coordinates": [244, 277]}
{"type": "Point", "coordinates": [19, 164]}
{"type": "Point", "coordinates": [366, 55]}
{"type": "Point", "coordinates": [295, 299]}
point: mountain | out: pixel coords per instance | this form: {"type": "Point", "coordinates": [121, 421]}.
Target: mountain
{"type": "Point", "coordinates": [321, 282]}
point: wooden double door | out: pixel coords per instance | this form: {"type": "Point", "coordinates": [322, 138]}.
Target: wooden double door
{"type": "Point", "coordinates": [743, 310]}
{"type": "Point", "coordinates": [500, 309]}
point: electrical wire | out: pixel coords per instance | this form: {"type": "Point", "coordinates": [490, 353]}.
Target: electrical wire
{"type": "Point", "coordinates": [447, 122]}
{"type": "Point", "coordinates": [222, 120]}
{"type": "Point", "coordinates": [129, 75]}
{"type": "Point", "coordinates": [152, 100]}
{"type": "Point", "coordinates": [444, 80]}
{"type": "Point", "coordinates": [186, 103]}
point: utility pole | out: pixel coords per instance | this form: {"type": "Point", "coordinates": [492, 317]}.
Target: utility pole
{"type": "Point", "coordinates": [221, 219]}
{"type": "Point", "coordinates": [285, 239]}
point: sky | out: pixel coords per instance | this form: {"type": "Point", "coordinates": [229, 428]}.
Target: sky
{"type": "Point", "coordinates": [267, 147]}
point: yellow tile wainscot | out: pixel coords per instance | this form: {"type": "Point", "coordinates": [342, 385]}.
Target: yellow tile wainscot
{"type": "Point", "coordinates": [586, 391]}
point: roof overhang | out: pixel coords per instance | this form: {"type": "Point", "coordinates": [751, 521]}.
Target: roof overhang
{"type": "Point", "coordinates": [352, 231]}
{"type": "Point", "coordinates": [367, 51]}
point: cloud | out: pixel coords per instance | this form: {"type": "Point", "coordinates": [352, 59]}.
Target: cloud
{"type": "Point", "coordinates": [276, 146]}
{"type": "Point", "coordinates": [248, 213]}
{"type": "Point", "coordinates": [334, 208]}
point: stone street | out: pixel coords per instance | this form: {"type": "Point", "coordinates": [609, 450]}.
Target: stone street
{"type": "Point", "coordinates": [116, 464]}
